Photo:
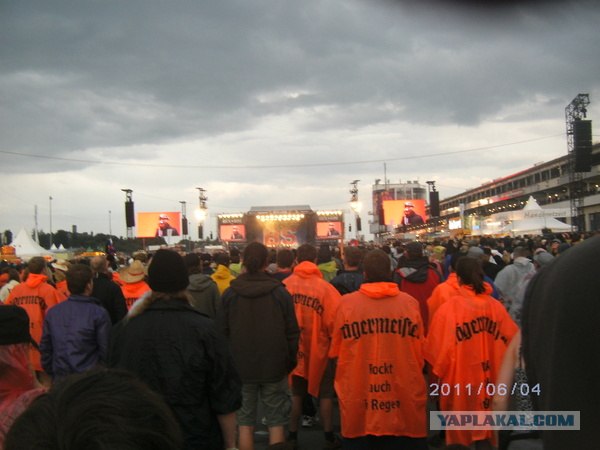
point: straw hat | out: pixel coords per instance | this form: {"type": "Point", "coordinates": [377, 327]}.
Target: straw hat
{"type": "Point", "coordinates": [133, 273]}
{"type": "Point", "coordinates": [62, 265]}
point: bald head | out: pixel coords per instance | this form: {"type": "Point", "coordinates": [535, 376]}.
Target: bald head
{"type": "Point", "coordinates": [99, 264]}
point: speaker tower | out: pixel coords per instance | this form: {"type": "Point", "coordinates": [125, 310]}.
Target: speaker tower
{"type": "Point", "coordinates": [582, 140]}
{"type": "Point", "coordinates": [129, 214]}
{"type": "Point", "coordinates": [434, 204]}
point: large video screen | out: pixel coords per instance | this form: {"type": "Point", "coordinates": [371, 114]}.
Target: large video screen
{"type": "Point", "coordinates": [232, 232]}
{"type": "Point", "coordinates": [158, 224]}
{"type": "Point", "coordinates": [404, 212]}
{"type": "Point", "coordinates": [329, 230]}
{"type": "Point", "coordinates": [280, 234]}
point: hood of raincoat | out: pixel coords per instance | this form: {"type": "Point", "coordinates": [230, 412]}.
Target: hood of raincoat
{"type": "Point", "coordinates": [199, 282]}
{"type": "Point", "coordinates": [35, 279]}
{"type": "Point", "coordinates": [379, 290]}
{"type": "Point", "coordinates": [307, 269]}
{"type": "Point", "coordinates": [222, 273]}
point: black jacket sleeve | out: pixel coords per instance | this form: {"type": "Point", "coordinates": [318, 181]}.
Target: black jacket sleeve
{"type": "Point", "coordinates": [224, 383]}
{"type": "Point", "coordinates": [292, 330]}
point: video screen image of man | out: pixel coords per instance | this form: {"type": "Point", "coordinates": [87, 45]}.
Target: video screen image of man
{"type": "Point", "coordinates": [331, 230]}
{"type": "Point", "coordinates": [164, 227]}
{"type": "Point", "coordinates": [410, 216]}
{"type": "Point", "coordinates": [236, 234]}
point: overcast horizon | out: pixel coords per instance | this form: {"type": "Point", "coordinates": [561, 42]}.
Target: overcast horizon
{"type": "Point", "coordinates": [277, 102]}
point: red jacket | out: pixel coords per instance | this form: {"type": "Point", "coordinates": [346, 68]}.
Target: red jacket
{"type": "Point", "coordinates": [421, 289]}
{"type": "Point", "coordinates": [18, 386]}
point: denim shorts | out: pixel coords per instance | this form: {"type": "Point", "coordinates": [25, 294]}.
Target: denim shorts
{"type": "Point", "coordinates": [275, 399]}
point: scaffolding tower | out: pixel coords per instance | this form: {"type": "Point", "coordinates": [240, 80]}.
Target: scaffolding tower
{"type": "Point", "coordinates": [576, 110]}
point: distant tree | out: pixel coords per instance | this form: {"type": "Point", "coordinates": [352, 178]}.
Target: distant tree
{"type": "Point", "coordinates": [97, 242]}
{"type": "Point", "coordinates": [61, 237]}
{"type": "Point", "coordinates": [44, 239]}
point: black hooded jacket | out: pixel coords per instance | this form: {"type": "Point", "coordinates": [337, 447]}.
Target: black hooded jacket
{"type": "Point", "coordinates": [560, 342]}
{"type": "Point", "coordinates": [257, 316]}
{"type": "Point", "coordinates": [347, 281]}
{"type": "Point", "coordinates": [110, 295]}
{"type": "Point", "coordinates": [179, 353]}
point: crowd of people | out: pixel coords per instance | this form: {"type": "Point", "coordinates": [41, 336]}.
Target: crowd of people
{"type": "Point", "coordinates": [190, 350]}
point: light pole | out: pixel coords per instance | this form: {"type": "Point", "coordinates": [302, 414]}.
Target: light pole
{"type": "Point", "coordinates": [109, 222]}
{"type": "Point", "coordinates": [356, 206]}
{"type": "Point", "coordinates": [201, 212]}
{"type": "Point", "coordinates": [50, 202]}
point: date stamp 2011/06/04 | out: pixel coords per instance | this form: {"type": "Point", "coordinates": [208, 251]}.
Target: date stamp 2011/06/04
{"type": "Point", "coordinates": [489, 389]}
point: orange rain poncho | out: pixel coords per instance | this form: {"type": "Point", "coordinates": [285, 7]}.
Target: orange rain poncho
{"type": "Point", "coordinates": [62, 287]}
{"type": "Point", "coordinates": [133, 291]}
{"type": "Point", "coordinates": [316, 303]}
{"type": "Point", "coordinates": [35, 296]}
{"type": "Point", "coordinates": [467, 339]}
{"type": "Point", "coordinates": [378, 340]}
{"type": "Point", "coordinates": [441, 294]}
{"type": "Point", "coordinates": [445, 291]}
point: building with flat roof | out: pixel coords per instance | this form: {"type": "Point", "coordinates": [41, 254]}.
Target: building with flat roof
{"type": "Point", "coordinates": [551, 183]}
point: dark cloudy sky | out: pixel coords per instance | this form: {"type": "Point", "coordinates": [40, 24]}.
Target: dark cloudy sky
{"type": "Point", "coordinates": [275, 102]}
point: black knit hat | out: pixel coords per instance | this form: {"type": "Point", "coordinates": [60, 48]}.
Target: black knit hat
{"type": "Point", "coordinates": [167, 272]}
{"type": "Point", "coordinates": [14, 325]}
{"type": "Point", "coordinates": [414, 249]}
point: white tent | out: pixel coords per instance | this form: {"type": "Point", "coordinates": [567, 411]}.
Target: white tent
{"type": "Point", "coordinates": [533, 219]}
{"type": "Point", "coordinates": [26, 247]}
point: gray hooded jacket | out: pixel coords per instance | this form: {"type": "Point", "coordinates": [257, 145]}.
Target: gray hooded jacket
{"type": "Point", "coordinates": [205, 294]}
